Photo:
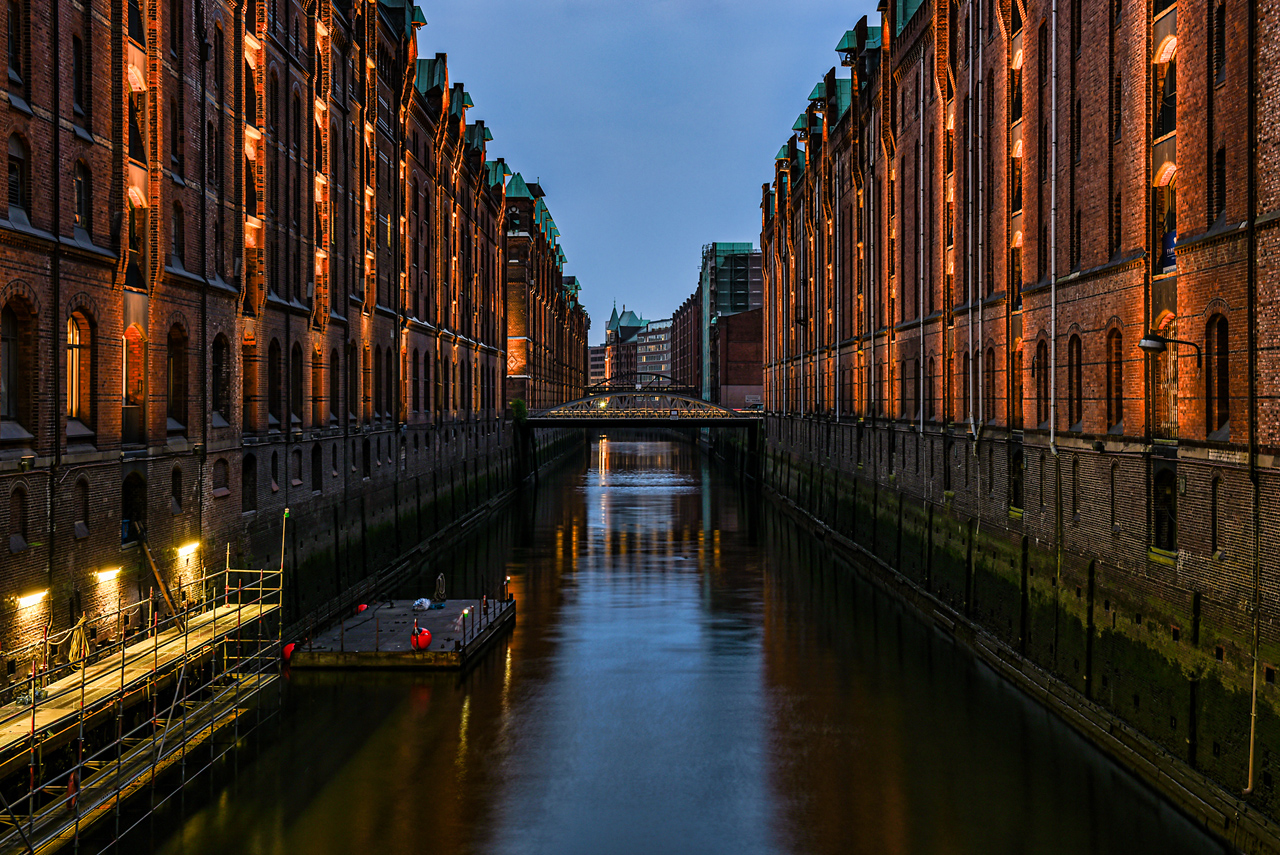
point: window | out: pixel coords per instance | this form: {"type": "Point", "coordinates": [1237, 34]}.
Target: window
{"type": "Point", "coordinates": [335, 390]}
{"type": "Point", "coordinates": [1075, 394]}
{"type": "Point", "coordinates": [353, 384]}
{"type": "Point", "coordinates": [1164, 516]}
{"type": "Point", "coordinates": [175, 136]}
{"type": "Point", "coordinates": [133, 508]}
{"type": "Point", "coordinates": [83, 218]}
{"type": "Point", "coordinates": [416, 391]}
{"type": "Point", "coordinates": [218, 58]}
{"type": "Point", "coordinates": [249, 388]}
{"type": "Point", "coordinates": [1115, 471]}
{"type": "Point", "coordinates": [295, 385]}
{"type": "Point", "coordinates": [177, 379]}
{"type": "Point", "coordinates": [317, 468]}
{"type": "Point", "coordinates": [1116, 225]}
{"type": "Point", "coordinates": [377, 380]}
{"type": "Point", "coordinates": [1115, 382]}
{"type": "Point", "coordinates": [250, 95]}
{"type": "Point", "coordinates": [275, 386]}
{"type": "Point", "coordinates": [17, 52]}
{"type": "Point", "coordinates": [393, 394]}
{"type": "Point", "coordinates": [134, 379]}
{"type": "Point", "coordinates": [989, 380]}
{"type": "Point", "coordinates": [1041, 368]}
{"type": "Point", "coordinates": [1016, 479]}
{"type": "Point", "coordinates": [79, 90]}
{"type": "Point", "coordinates": [177, 237]}
{"type": "Point", "coordinates": [18, 519]}
{"type": "Point", "coordinates": [220, 476]}
{"type": "Point", "coordinates": [221, 381]}
{"type": "Point", "coordinates": [175, 27]}
{"type": "Point", "coordinates": [175, 489]}
{"type": "Point", "coordinates": [79, 374]}
{"type": "Point", "coordinates": [82, 508]}
{"type": "Point", "coordinates": [966, 385]}
{"type": "Point", "coordinates": [19, 198]}
{"type": "Point", "coordinates": [1217, 397]}
{"type": "Point", "coordinates": [249, 484]}
{"type": "Point", "coordinates": [1015, 417]}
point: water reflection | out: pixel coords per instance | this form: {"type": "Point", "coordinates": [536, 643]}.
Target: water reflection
{"type": "Point", "coordinates": [689, 673]}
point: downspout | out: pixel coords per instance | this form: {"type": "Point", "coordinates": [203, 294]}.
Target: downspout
{"type": "Point", "coordinates": [1252, 328]}
{"type": "Point", "coordinates": [1053, 234]}
{"type": "Point", "coordinates": [977, 365]}
{"type": "Point", "coordinates": [968, 226]}
{"type": "Point", "coordinates": [920, 239]}
{"type": "Point", "coordinates": [56, 282]}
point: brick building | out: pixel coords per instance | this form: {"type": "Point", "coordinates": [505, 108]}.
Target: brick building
{"type": "Point", "coordinates": [547, 326]}
{"type": "Point", "coordinates": [686, 342]}
{"type": "Point", "coordinates": [737, 364]}
{"type": "Point", "coordinates": [256, 263]}
{"type": "Point", "coordinates": [967, 236]}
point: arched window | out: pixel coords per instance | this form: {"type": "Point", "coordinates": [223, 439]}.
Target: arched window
{"type": "Point", "coordinates": [1115, 381]}
{"type": "Point", "coordinates": [275, 471]}
{"type": "Point", "coordinates": [1164, 516]}
{"type": "Point", "coordinates": [134, 378]}
{"type": "Point", "coordinates": [1075, 396]}
{"type": "Point", "coordinates": [221, 381]}
{"type": "Point", "coordinates": [317, 391]}
{"type": "Point", "coordinates": [175, 489]}
{"type": "Point", "coordinates": [295, 385]}
{"type": "Point", "coordinates": [175, 134]}
{"type": "Point", "coordinates": [275, 386]}
{"type": "Point", "coordinates": [966, 386]}
{"type": "Point", "coordinates": [249, 484]}
{"type": "Point", "coordinates": [18, 519]}
{"type": "Point", "coordinates": [79, 375]}
{"type": "Point", "coordinates": [1217, 393]}
{"type": "Point", "coordinates": [19, 180]}
{"type": "Point", "coordinates": [220, 476]}
{"type": "Point", "coordinates": [219, 59]}
{"type": "Point", "coordinates": [177, 379]}
{"type": "Point", "coordinates": [353, 384]}
{"type": "Point", "coordinates": [317, 468]}
{"type": "Point", "coordinates": [1042, 371]}
{"type": "Point", "coordinates": [1015, 479]}
{"type": "Point", "coordinates": [80, 76]}
{"type": "Point", "coordinates": [84, 199]}
{"type": "Point", "coordinates": [1015, 381]}
{"type": "Point", "coordinates": [1115, 473]}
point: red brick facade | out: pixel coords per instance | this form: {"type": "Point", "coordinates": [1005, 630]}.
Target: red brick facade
{"type": "Point", "coordinates": [257, 263]}
{"type": "Point", "coordinates": [965, 241]}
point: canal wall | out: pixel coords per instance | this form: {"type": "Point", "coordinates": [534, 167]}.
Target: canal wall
{"type": "Point", "coordinates": [350, 544]}
{"type": "Point", "coordinates": [1155, 670]}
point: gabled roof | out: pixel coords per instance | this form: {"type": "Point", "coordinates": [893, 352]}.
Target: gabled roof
{"type": "Point", "coordinates": [784, 152]}
{"type": "Point", "coordinates": [517, 189]}
{"type": "Point", "coordinates": [819, 92]}
{"type": "Point", "coordinates": [848, 43]}
{"type": "Point", "coordinates": [432, 74]}
{"type": "Point", "coordinates": [613, 319]}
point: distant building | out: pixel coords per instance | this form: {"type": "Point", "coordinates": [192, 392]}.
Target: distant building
{"type": "Point", "coordinates": [686, 342]}
{"type": "Point", "coordinates": [737, 359]}
{"type": "Point", "coordinates": [596, 364]}
{"type": "Point", "coordinates": [653, 351]}
{"type": "Point", "coordinates": [729, 283]}
{"type": "Point", "coordinates": [620, 342]}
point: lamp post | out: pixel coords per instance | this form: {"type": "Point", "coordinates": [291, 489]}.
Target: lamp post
{"type": "Point", "coordinates": [1155, 344]}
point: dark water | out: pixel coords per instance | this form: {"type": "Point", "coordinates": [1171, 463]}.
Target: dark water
{"type": "Point", "coordinates": [689, 674]}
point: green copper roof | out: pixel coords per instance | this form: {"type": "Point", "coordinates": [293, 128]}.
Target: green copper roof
{"type": "Point", "coordinates": [819, 92]}
{"type": "Point", "coordinates": [783, 153]}
{"type": "Point", "coordinates": [801, 123]}
{"type": "Point", "coordinates": [517, 189]}
{"type": "Point", "coordinates": [873, 38]}
{"type": "Point", "coordinates": [418, 18]}
{"type": "Point", "coordinates": [848, 43]}
{"type": "Point", "coordinates": [906, 11]}
{"type": "Point", "coordinates": [466, 99]}
{"type": "Point", "coordinates": [432, 74]}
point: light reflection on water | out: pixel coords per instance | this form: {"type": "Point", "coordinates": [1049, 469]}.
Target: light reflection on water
{"type": "Point", "coordinates": [689, 673]}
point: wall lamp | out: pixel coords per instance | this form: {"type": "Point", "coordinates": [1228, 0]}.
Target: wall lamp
{"type": "Point", "coordinates": [32, 599]}
{"type": "Point", "coordinates": [1155, 344]}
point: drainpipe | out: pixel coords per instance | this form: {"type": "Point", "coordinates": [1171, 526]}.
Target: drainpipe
{"type": "Point", "coordinates": [968, 229]}
{"type": "Point", "coordinates": [1252, 328]}
{"type": "Point", "coordinates": [56, 282]}
{"type": "Point", "coordinates": [920, 238]}
{"type": "Point", "coordinates": [977, 365]}
{"type": "Point", "coordinates": [1053, 235]}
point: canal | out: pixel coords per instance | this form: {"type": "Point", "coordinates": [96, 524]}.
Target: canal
{"type": "Point", "coordinates": [690, 673]}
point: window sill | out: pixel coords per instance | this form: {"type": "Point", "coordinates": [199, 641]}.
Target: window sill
{"type": "Point", "coordinates": [221, 492]}
{"type": "Point", "coordinates": [82, 133]}
{"type": "Point", "coordinates": [17, 543]}
{"type": "Point", "coordinates": [1162, 556]}
{"type": "Point", "coordinates": [19, 104]}
{"type": "Point", "coordinates": [82, 530]}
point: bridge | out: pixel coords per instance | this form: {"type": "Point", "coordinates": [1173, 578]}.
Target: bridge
{"type": "Point", "coordinates": [648, 407]}
{"type": "Point", "coordinates": [636, 381]}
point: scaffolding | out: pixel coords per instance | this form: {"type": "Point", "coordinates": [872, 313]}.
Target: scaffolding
{"type": "Point", "coordinates": [103, 719]}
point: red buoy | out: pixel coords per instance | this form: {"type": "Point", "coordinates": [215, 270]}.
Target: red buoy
{"type": "Point", "coordinates": [288, 651]}
{"type": "Point", "coordinates": [421, 639]}
{"type": "Point", "coordinates": [361, 608]}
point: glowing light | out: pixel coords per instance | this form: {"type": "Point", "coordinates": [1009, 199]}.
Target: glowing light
{"type": "Point", "coordinates": [32, 599]}
{"type": "Point", "coordinates": [107, 575]}
{"type": "Point", "coordinates": [136, 198]}
{"type": "Point", "coordinates": [187, 549]}
{"type": "Point", "coordinates": [1164, 173]}
{"type": "Point", "coordinates": [1167, 49]}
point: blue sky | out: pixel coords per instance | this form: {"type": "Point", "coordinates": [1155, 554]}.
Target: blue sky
{"type": "Point", "coordinates": [651, 123]}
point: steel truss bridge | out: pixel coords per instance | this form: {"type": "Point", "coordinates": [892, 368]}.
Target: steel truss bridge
{"type": "Point", "coordinates": [637, 381]}
{"type": "Point", "coordinates": [650, 407]}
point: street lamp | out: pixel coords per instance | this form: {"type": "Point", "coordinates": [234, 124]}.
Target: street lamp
{"type": "Point", "coordinates": [1155, 344]}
